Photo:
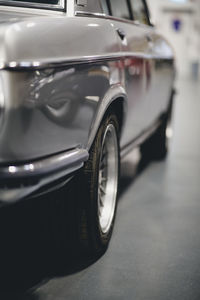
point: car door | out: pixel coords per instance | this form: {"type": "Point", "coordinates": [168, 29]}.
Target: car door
{"type": "Point", "coordinates": [134, 45]}
{"type": "Point", "coordinates": [158, 65]}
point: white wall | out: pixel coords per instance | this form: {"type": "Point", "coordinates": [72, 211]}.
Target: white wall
{"type": "Point", "coordinates": [186, 42]}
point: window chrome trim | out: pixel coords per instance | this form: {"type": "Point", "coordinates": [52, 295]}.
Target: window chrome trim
{"type": "Point", "coordinates": [109, 17]}
{"type": "Point", "coordinates": [79, 13]}
{"type": "Point", "coordinates": [104, 16]}
{"type": "Point", "coordinates": [60, 7]}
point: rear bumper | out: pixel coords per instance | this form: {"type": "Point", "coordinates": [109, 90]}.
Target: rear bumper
{"type": "Point", "coordinates": [21, 180]}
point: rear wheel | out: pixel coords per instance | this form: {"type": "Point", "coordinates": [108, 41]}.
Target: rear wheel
{"type": "Point", "coordinates": [100, 186]}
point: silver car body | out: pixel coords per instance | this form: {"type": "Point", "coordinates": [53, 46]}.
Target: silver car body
{"type": "Point", "coordinates": [59, 73]}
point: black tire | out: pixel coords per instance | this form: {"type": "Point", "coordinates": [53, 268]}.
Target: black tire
{"type": "Point", "coordinates": [92, 237]}
{"type": "Point", "coordinates": [156, 147]}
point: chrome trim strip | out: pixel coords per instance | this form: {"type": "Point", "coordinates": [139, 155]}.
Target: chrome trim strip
{"type": "Point", "coordinates": [61, 6]}
{"type": "Point", "coordinates": [90, 14]}
{"type": "Point", "coordinates": [71, 160]}
{"type": "Point", "coordinates": [108, 17]}
{"type": "Point", "coordinates": [36, 65]}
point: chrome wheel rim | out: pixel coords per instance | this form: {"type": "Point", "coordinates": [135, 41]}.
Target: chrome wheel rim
{"type": "Point", "coordinates": [108, 179]}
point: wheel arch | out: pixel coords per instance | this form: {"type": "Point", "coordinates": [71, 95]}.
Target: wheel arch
{"type": "Point", "coordinates": [115, 101]}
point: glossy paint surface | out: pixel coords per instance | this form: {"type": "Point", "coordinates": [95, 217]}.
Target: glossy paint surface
{"type": "Point", "coordinates": [79, 65]}
{"type": "Point", "coordinates": [50, 111]}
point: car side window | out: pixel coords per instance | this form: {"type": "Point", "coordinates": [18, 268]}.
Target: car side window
{"type": "Point", "coordinates": [139, 11]}
{"type": "Point", "coordinates": [120, 9]}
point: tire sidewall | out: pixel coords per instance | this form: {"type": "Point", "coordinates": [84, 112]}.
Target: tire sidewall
{"type": "Point", "coordinates": [99, 240]}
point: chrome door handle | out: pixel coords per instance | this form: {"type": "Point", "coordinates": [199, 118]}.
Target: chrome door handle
{"type": "Point", "coordinates": [121, 33]}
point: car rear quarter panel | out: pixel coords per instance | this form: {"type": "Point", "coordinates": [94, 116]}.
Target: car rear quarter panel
{"type": "Point", "coordinates": [51, 109]}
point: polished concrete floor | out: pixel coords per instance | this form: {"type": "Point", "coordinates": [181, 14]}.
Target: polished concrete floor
{"type": "Point", "coordinates": [155, 248]}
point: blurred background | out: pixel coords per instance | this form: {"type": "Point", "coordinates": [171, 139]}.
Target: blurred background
{"type": "Point", "coordinates": [179, 21]}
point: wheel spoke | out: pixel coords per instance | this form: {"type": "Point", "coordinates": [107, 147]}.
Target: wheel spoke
{"type": "Point", "coordinates": [102, 190]}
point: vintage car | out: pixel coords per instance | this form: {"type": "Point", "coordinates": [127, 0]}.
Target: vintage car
{"type": "Point", "coordinates": [82, 82]}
